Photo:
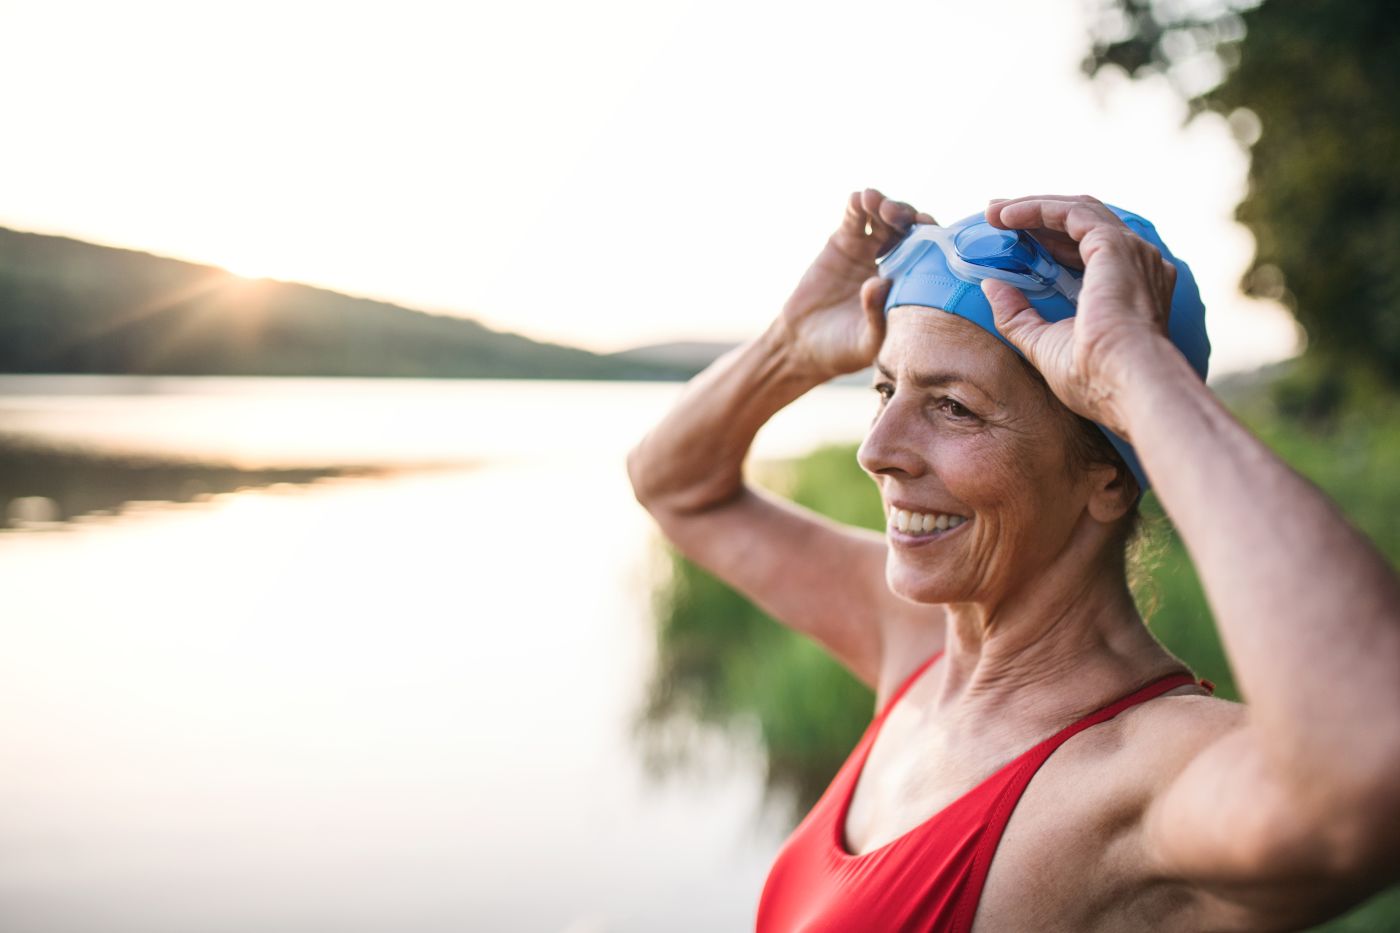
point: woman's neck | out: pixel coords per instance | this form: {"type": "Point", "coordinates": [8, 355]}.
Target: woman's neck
{"type": "Point", "coordinates": [1061, 642]}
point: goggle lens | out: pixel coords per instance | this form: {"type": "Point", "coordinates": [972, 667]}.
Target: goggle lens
{"type": "Point", "coordinates": [1011, 250]}
{"type": "Point", "coordinates": [983, 241]}
{"type": "Point", "coordinates": [978, 244]}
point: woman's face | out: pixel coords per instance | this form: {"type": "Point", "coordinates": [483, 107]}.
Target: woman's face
{"type": "Point", "coordinates": [964, 431]}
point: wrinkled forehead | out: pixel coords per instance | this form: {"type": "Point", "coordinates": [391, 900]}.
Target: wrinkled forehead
{"type": "Point", "coordinates": [922, 340]}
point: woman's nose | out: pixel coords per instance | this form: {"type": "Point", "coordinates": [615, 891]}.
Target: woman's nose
{"type": "Point", "coordinates": [887, 448]}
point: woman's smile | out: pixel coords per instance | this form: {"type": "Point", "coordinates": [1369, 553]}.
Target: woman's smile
{"type": "Point", "coordinates": [909, 528]}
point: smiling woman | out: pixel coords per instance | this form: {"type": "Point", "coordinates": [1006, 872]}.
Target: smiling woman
{"type": "Point", "coordinates": [962, 433]}
{"type": "Point", "coordinates": [1023, 707]}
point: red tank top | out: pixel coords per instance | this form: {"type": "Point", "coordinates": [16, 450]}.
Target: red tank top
{"type": "Point", "coordinates": [930, 878]}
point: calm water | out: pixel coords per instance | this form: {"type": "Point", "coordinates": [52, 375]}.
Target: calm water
{"type": "Point", "coordinates": [375, 669]}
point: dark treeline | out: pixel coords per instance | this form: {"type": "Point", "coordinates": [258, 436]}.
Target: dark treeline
{"type": "Point", "coordinates": [73, 307]}
{"type": "Point", "coordinates": [1313, 90]}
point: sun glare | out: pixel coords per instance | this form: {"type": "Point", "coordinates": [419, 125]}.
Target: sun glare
{"type": "Point", "coordinates": [251, 269]}
{"type": "Point", "coordinates": [242, 249]}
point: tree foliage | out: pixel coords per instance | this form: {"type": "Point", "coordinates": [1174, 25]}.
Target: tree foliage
{"type": "Point", "coordinates": [1314, 89]}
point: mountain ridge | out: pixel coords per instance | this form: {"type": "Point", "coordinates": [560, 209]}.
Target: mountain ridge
{"type": "Point", "coordinates": [70, 306]}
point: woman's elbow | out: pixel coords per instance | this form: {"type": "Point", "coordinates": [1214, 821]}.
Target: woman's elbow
{"type": "Point", "coordinates": [678, 488]}
{"type": "Point", "coordinates": [1356, 830]}
{"type": "Point", "coordinates": [641, 475]}
{"type": "Point", "coordinates": [1370, 846]}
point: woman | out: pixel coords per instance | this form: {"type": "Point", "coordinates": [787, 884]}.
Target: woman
{"type": "Point", "coordinates": [1038, 760]}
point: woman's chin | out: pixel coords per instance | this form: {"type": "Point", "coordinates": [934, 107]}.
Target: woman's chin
{"type": "Point", "coordinates": [922, 586]}
{"type": "Point", "coordinates": [931, 566]}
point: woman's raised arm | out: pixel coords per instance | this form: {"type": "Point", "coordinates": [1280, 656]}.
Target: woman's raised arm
{"type": "Point", "coordinates": [815, 575]}
{"type": "Point", "coordinates": [1273, 819]}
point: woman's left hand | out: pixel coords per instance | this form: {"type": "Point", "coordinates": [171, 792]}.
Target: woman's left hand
{"type": "Point", "coordinates": [1121, 322]}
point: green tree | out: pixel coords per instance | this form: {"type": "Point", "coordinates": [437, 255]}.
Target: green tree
{"type": "Point", "coordinates": [1314, 89]}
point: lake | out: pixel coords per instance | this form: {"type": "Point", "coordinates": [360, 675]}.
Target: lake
{"type": "Point", "coordinates": [352, 655]}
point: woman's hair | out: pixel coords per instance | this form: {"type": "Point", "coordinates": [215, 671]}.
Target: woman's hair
{"type": "Point", "coordinates": [1087, 447]}
{"type": "Point", "coordinates": [1142, 546]}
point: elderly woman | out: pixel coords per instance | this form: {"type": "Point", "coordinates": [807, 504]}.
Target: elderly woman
{"type": "Point", "coordinates": [1038, 761]}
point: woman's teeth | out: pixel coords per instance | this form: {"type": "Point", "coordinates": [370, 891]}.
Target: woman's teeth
{"type": "Point", "coordinates": [916, 523]}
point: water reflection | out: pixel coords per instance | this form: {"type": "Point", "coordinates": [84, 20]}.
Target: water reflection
{"type": "Point", "coordinates": [399, 703]}
{"type": "Point", "coordinates": [43, 485]}
{"type": "Point", "coordinates": [724, 668]}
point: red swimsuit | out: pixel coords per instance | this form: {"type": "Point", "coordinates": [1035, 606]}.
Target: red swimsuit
{"type": "Point", "coordinates": [930, 878]}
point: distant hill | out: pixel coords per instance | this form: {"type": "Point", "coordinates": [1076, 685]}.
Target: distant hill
{"type": "Point", "coordinates": [73, 307]}
{"type": "Point", "coordinates": [693, 355]}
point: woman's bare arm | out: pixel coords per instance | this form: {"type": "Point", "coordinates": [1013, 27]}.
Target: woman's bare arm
{"type": "Point", "coordinates": [814, 575]}
{"type": "Point", "coordinates": [1298, 808]}
{"type": "Point", "coordinates": [1309, 613]}
{"type": "Point", "coordinates": [810, 573]}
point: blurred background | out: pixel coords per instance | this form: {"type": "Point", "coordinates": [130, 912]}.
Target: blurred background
{"type": "Point", "coordinates": [325, 329]}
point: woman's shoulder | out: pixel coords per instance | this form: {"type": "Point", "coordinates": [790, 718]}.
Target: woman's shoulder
{"type": "Point", "coordinates": [1094, 790]}
{"type": "Point", "coordinates": [1137, 754]}
{"type": "Point", "coordinates": [1178, 722]}
{"type": "Point", "coordinates": [1167, 729]}
{"type": "Point", "coordinates": [1131, 757]}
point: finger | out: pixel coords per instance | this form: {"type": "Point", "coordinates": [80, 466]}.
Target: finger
{"type": "Point", "coordinates": [901, 215]}
{"type": "Point", "coordinates": [897, 214]}
{"type": "Point", "coordinates": [1060, 246]}
{"type": "Point", "coordinates": [880, 228]}
{"type": "Point", "coordinates": [1076, 218]}
{"type": "Point", "coordinates": [889, 220]}
{"type": "Point", "coordinates": [996, 205]}
{"type": "Point", "coordinates": [1121, 242]}
{"type": "Point", "coordinates": [1169, 274]}
{"type": "Point", "coordinates": [853, 220]}
{"type": "Point", "coordinates": [873, 292]}
{"type": "Point", "coordinates": [870, 214]}
{"type": "Point", "coordinates": [861, 218]}
{"type": "Point", "coordinates": [1017, 321]}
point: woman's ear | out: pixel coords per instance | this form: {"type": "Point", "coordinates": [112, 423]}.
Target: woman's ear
{"type": "Point", "coordinates": [1112, 492]}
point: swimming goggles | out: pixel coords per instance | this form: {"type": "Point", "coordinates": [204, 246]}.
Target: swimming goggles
{"type": "Point", "coordinates": [943, 268]}
{"type": "Point", "coordinates": [975, 250]}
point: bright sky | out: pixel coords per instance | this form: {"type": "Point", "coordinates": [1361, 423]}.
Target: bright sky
{"type": "Point", "coordinates": [604, 174]}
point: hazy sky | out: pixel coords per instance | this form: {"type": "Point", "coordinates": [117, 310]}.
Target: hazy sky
{"type": "Point", "coordinates": [603, 174]}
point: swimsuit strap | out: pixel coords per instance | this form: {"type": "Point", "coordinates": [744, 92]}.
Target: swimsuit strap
{"type": "Point", "coordinates": [1156, 688]}
{"type": "Point", "coordinates": [1019, 773]}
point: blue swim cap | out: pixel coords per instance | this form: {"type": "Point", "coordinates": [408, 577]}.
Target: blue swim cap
{"type": "Point", "coordinates": [943, 268]}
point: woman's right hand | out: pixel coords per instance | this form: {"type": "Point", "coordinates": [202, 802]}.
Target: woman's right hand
{"type": "Point", "coordinates": [834, 321]}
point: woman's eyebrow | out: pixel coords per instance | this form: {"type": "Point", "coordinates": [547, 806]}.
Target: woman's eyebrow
{"type": "Point", "coordinates": [939, 378]}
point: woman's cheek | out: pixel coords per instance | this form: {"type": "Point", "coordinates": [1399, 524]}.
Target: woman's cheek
{"type": "Point", "coordinates": [981, 469]}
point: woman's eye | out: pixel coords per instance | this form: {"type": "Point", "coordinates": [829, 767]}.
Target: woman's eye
{"type": "Point", "coordinates": [954, 408]}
